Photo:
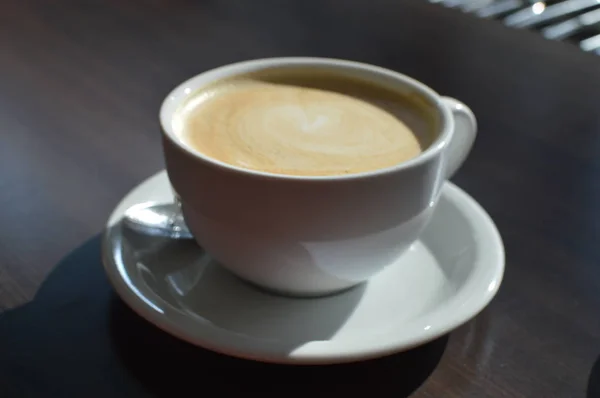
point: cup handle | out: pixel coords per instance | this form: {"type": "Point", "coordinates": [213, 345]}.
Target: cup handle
{"type": "Point", "coordinates": [465, 130]}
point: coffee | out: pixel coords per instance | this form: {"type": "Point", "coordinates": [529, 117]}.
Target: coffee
{"type": "Point", "coordinates": [303, 122]}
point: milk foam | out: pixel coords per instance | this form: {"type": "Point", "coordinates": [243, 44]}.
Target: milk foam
{"type": "Point", "coordinates": [288, 129]}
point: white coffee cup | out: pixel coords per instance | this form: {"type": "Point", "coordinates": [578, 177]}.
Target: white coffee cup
{"type": "Point", "coordinates": [314, 235]}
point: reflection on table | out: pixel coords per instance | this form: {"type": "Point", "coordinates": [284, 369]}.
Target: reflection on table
{"type": "Point", "coordinates": [575, 21]}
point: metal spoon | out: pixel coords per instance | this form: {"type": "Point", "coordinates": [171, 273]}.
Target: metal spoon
{"type": "Point", "coordinates": [158, 219]}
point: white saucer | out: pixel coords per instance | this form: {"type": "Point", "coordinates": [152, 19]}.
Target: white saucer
{"type": "Point", "coordinates": [445, 279]}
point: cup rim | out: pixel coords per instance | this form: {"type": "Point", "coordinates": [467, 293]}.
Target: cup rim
{"type": "Point", "coordinates": [182, 91]}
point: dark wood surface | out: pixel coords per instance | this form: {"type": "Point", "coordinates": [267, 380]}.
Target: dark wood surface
{"type": "Point", "coordinates": [80, 87]}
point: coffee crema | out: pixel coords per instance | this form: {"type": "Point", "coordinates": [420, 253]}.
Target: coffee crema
{"type": "Point", "coordinates": [303, 124]}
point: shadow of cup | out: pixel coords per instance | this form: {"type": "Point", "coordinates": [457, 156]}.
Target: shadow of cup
{"type": "Point", "coordinates": [183, 276]}
{"type": "Point", "coordinates": [190, 281]}
{"type": "Point", "coordinates": [168, 367]}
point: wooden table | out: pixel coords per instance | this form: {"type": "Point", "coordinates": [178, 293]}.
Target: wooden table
{"type": "Point", "coordinates": [81, 83]}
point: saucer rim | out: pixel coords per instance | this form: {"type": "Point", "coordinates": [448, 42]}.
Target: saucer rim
{"type": "Point", "coordinates": [321, 352]}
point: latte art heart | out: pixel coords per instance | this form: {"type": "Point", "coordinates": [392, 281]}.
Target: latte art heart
{"type": "Point", "coordinates": [299, 117]}
{"type": "Point", "coordinates": [287, 129]}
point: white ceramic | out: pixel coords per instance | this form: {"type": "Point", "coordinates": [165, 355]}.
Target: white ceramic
{"type": "Point", "coordinates": [313, 235]}
{"type": "Point", "coordinates": [443, 280]}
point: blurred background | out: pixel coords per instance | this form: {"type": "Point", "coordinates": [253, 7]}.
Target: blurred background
{"type": "Point", "coordinates": [572, 21]}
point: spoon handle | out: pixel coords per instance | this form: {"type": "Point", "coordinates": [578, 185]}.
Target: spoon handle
{"type": "Point", "coordinates": [158, 219]}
